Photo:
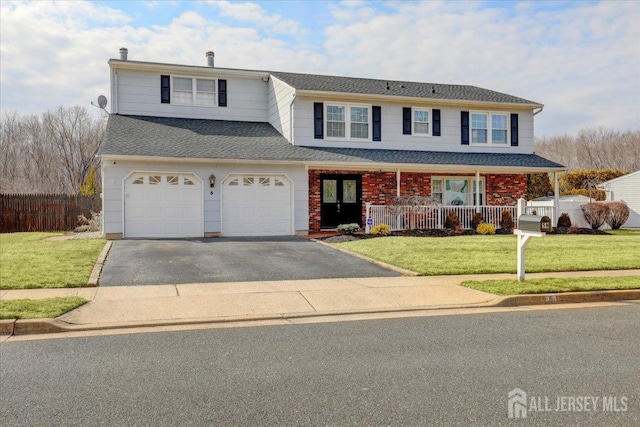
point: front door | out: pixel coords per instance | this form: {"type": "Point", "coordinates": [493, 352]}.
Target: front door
{"type": "Point", "coordinates": [341, 200]}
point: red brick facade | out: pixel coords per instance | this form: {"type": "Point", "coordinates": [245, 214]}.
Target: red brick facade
{"type": "Point", "coordinates": [379, 188]}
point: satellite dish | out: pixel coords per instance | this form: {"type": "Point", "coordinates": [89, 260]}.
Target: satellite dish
{"type": "Point", "coordinates": [102, 101]}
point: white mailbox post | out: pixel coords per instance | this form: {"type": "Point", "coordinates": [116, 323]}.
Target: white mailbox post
{"type": "Point", "coordinates": [529, 226]}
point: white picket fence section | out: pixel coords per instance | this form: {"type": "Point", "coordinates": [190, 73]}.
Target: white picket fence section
{"type": "Point", "coordinates": [427, 217]}
{"type": "Point", "coordinates": [542, 211]}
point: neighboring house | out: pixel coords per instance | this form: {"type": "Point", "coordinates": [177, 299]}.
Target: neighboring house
{"type": "Point", "coordinates": [196, 151]}
{"type": "Point", "coordinates": [625, 189]}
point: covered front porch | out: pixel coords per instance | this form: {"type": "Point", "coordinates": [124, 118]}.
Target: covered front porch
{"type": "Point", "coordinates": [372, 197]}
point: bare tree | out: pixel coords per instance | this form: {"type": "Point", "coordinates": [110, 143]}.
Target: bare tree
{"type": "Point", "coordinates": [48, 154]}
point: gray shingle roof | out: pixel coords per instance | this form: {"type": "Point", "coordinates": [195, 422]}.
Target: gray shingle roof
{"type": "Point", "coordinates": [227, 140]}
{"type": "Point", "coordinates": [339, 84]}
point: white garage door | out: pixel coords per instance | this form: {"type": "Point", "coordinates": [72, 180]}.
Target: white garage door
{"type": "Point", "coordinates": [256, 205]}
{"type": "Point", "coordinates": [163, 205]}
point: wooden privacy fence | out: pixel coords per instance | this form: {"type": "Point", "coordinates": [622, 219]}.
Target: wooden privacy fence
{"type": "Point", "coordinates": [44, 212]}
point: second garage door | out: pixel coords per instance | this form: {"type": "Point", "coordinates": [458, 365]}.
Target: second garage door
{"type": "Point", "coordinates": [257, 205]}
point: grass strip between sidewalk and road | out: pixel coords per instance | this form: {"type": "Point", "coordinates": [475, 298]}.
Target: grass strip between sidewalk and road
{"type": "Point", "coordinates": [553, 284]}
{"type": "Point", "coordinates": [30, 261]}
{"type": "Point", "coordinates": [432, 256]}
{"type": "Point", "coordinates": [38, 308]}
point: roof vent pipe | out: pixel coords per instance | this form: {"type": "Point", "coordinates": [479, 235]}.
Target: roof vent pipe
{"type": "Point", "coordinates": [123, 53]}
{"type": "Point", "coordinates": [210, 55]}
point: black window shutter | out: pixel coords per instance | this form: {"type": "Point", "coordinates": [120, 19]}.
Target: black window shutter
{"type": "Point", "coordinates": [436, 123]}
{"type": "Point", "coordinates": [514, 130]}
{"type": "Point", "coordinates": [464, 127]}
{"type": "Point", "coordinates": [165, 89]}
{"type": "Point", "coordinates": [376, 112]}
{"type": "Point", "coordinates": [318, 120]}
{"type": "Point", "coordinates": [406, 121]}
{"type": "Point", "coordinates": [222, 93]}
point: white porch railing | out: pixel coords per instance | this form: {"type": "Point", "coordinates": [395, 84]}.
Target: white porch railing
{"type": "Point", "coordinates": [426, 217]}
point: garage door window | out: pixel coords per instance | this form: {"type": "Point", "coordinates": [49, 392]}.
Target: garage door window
{"type": "Point", "coordinates": [139, 181]}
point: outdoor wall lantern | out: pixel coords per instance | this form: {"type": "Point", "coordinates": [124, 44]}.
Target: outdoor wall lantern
{"type": "Point", "coordinates": [212, 180]}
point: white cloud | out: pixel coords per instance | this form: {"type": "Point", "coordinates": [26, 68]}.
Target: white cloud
{"type": "Point", "coordinates": [254, 14]}
{"type": "Point", "coordinates": [583, 63]}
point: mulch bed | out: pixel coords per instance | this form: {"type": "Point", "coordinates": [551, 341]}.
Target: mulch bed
{"type": "Point", "coordinates": [447, 232]}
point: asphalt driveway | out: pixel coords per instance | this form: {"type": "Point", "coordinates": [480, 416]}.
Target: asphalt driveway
{"type": "Point", "coordinates": [161, 262]}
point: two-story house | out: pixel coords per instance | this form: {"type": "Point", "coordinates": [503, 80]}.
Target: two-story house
{"type": "Point", "coordinates": [200, 151]}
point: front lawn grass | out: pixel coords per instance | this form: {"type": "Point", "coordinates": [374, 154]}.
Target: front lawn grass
{"type": "Point", "coordinates": [497, 253]}
{"type": "Point", "coordinates": [38, 308]}
{"type": "Point", "coordinates": [28, 261]}
{"type": "Point", "coordinates": [544, 285]}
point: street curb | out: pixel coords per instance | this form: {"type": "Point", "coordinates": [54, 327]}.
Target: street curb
{"type": "Point", "coordinates": [568, 297]}
{"type": "Point", "coordinates": [400, 270]}
{"type": "Point", "coordinates": [46, 326]}
{"type": "Point", "coordinates": [97, 268]}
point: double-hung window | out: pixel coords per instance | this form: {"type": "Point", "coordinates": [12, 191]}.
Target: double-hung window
{"type": "Point", "coordinates": [348, 121]}
{"type": "Point", "coordinates": [489, 128]}
{"type": "Point", "coordinates": [421, 122]}
{"type": "Point", "coordinates": [194, 91]}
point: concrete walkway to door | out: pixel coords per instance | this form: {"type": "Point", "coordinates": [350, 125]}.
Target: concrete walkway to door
{"type": "Point", "coordinates": [226, 259]}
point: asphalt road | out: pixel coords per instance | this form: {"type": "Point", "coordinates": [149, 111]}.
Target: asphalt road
{"type": "Point", "coordinates": [430, 371]}
{"type": "Point", "coordinates": [226, 259]}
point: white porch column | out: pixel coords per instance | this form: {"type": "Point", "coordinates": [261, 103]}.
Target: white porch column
{"type": "Point", "coordinates": [477, 191]}
{"type": "Point", "coordinates": [556, 199]}
{"type": "Point", "coordinates": [398, 182]}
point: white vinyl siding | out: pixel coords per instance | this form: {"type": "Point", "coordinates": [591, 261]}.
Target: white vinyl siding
{"type": "Point", "coordinates": [280, 104]}
{"type": "Point", "coordinates": [139, 94]}
{"type": "Point", "coordinates": [114, 175]}
{"type": "Point", "coordinates": [391, 130]}
{"type": "Point", "coordinates": [489, 128]}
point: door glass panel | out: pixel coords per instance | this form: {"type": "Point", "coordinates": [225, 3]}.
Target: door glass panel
{"type": "Point", "coordinates": [329, 193]}
{"type": "Point", "coordinates": [349, 191]}
{"type": "Point", "coordinates": [456, 191]}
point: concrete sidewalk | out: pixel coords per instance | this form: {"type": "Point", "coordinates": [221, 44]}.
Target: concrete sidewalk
{"type": "Point", "coordinates": [136, 306]}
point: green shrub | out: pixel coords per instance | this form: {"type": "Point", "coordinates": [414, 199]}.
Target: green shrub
{"type": "Point", "coordinates": [486, 228]}
{"type": "Point", "coordinates": [452, 220]}
{"type": "Point", "coordinates": [381, 230]}
{"type": "Point", "coordinates": [564, 220]}
{"type": "Point", "coordinates": [506, 220]}
{"type": "Point", "coordinates": [348, 228]}
{"type": "Point", "coordinates": [476, 220]}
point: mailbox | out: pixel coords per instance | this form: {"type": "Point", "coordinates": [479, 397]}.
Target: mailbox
{"type": "Point", "coordinates": [534, 223]}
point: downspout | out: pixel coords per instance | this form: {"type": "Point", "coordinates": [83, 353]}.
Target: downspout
{"type": "Point", "coordinates": [539, 111]}
{"type": "Point", "coordinates": [291, 117]}
{"type": "Point", "coordinates": [398, 183]}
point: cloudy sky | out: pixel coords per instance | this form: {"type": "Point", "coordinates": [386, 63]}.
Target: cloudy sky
{"type": "Point", "coordinates": [579, 58]}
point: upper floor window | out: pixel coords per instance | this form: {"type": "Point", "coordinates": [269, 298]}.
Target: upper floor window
{"type": "Point", "coordinates": [194, 91]}
{"type": "Point", "coordinates": [348, 121]}
{"type": "Point", "coordinates": [489, 128]}
{"type": "Point", "coordinates": [421, 121]}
